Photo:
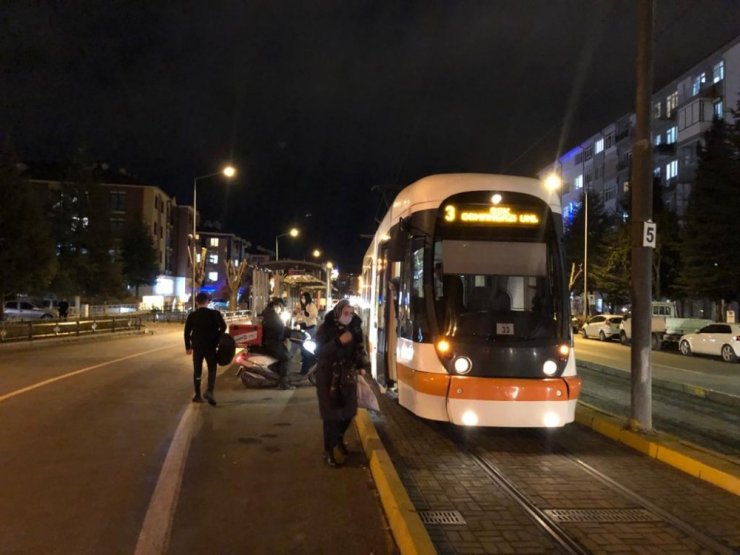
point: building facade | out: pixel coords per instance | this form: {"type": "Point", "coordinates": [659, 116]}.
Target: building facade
{"type": "Point", "coordinates": [681, 112]}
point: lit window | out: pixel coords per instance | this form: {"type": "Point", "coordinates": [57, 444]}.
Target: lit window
{"type": "Point", "coordinates": [658, 139]}
{"type": "Point", "coordinates": [699, 80]}
{"type": "Point", "coordinates": [213, 276]}
{"type": "Point", "coordinates": [214, 241]}
{"type": "Point", "coordinates": [719, 71]}
{"type": "Point", "coordinates": [213, 258]}
{"type": "Point", "coordinates": [671, 135]}
{"type": "Point", "coordinates": [657, 109]}
{"type": "Point", "coordinates": [656, 172]}
{"type": "Point", "coordinates": [599, 146]}
{"type": "Point", "coordinates": [671, 103]}
{"type": "Point", "coordinates": [671, 169]}
{"type": "Point", "coordinates": [719, 109]}
{"type": "Point", "coordinates": [578, 183]}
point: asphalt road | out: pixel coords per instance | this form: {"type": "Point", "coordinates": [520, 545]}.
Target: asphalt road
{"type": "Point", "coordinates": [705, 372]}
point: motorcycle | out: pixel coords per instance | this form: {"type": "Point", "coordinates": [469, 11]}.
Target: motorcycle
{"type": "Point", "coordinates": [256, 368]}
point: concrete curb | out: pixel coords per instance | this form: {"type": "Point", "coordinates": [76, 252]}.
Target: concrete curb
{"type": "Point", "coordinates": [410, 534]}
{"type": "Point", "coordinates": [713, 468]}
{"type": "Point", "coordinates": [26, 345]}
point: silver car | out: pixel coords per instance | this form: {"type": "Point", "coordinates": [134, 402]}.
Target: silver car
{"type": "Point", "coordinates": [603, 326]}
{"type": "Point", "coordinates": [722, 340]}
{"type": "Point", "coordinates": [25, 310]}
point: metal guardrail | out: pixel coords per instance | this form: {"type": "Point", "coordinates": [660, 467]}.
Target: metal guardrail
{"type": "Point", "coordinates": [45, 329]}
{"type": "Point", "coordinates": [26, 330]}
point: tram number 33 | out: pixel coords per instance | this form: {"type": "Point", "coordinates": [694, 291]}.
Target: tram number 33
{"type": "Point", "coordinates": [504, 329]}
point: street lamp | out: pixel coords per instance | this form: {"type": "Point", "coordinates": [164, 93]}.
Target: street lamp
{"type": "Point", "coordinates": [316, 253]}
{"type": "Point", "coordinates": [228, 172]}
{"type": "Point", "coordinates": [585, 253]}
{"type": "Point", "coordinates": [329, 267]}
{"type": "Point", "coordinates": [293, 233]}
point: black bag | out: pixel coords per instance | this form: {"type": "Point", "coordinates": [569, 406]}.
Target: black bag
{"type": "Point", "coordinates": [226, 350]}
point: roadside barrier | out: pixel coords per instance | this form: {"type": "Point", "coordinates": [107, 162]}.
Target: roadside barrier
{"type": "Point", "coordinates": [44, 329]}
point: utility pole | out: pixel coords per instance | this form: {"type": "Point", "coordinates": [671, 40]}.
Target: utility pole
{"type": "Point", "coordinates": [643, 240]}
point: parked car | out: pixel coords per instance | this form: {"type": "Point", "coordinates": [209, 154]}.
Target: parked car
{"type": "Point", "coordinates": [716, 339]}
{"type": "Point", "coordinates": [219, 304]}
{"type": "Point", "coordinates": [25, 310]}
{"type": "Point", "coordinates": [603, 326]}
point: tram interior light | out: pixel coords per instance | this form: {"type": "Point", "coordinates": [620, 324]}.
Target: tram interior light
{"type": "Point", "coordinates": [496, 199]}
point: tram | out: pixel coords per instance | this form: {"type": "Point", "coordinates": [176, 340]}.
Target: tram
{"type": "Point", "coordinates": [465, 297]}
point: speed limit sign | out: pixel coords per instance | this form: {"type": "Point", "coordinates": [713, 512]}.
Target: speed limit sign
{"type": "Point", "coordinates": [649, 234]}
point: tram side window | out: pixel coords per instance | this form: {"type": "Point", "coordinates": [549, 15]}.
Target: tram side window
{"type": "Point", "coordinates": [413, 315]}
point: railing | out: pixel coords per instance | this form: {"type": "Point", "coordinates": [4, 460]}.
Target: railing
{"type": "Point", "coordinates": [45, 329]}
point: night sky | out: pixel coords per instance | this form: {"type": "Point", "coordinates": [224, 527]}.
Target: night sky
{"type": "Point", "coordinates": [322, 105]}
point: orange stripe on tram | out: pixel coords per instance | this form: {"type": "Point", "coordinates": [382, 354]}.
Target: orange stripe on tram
{"type": "Point", "coordinates": [491, 389]}
{"type": "Point", "coordinates": [424, 382]}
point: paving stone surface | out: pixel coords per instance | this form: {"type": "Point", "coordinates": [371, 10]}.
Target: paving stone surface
{"type": "Point", "coordinates": [439, 475]}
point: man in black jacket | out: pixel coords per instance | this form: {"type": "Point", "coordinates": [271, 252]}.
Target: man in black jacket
{"type": "Point", "coordinates": [203, 329]}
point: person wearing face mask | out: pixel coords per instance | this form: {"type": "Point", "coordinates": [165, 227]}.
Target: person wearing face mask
{"type": "Point", "coordinates": [274, 334]}
{"type": "Point", "coordinates": [342, 356]}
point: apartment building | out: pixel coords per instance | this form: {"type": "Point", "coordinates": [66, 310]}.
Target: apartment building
{"type": "Point", "coordinates": [682, 111]}
{"type": "Point", "coordinates": [221, 247]}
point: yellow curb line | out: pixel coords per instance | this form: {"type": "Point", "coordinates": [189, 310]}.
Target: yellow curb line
{"type": "Point", "coordinates": [704, 465]}
{"type": "Point", "coordinates": [410, 534]}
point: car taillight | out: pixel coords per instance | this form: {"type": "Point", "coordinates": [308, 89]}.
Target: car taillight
{"type": "Point", "coordinates": [737, 338]}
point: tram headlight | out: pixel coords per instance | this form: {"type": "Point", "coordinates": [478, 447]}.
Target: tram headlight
{"type": "Point", "coordinates": [462, 365]}
{"type": "Point", "coordinates": [444, 348]}
{"type": "Point", "coordinates": [550, 367]}
{"type": "Point", "coordinates": [564, 352]}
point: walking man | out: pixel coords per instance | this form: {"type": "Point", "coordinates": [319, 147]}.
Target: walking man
{"type": "Point", "coordinates": [203, 328]}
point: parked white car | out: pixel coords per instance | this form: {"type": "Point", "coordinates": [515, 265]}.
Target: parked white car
{"type": "Point", "coordinates": [722, 340]}
{"type": "Point", "coordinates": [603, 326]}
{"type": "Point", "coordinates": [25, 310]}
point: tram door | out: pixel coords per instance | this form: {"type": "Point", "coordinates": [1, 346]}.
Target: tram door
{"type": "Point", "coordinates": [381, 307]}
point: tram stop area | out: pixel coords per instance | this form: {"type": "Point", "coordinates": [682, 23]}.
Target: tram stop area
{"type": "Point", "coordinates": [271, 491]}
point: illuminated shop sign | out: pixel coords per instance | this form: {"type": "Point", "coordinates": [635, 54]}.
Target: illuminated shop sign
{"type": "Point", "coordinates": [491, 215]}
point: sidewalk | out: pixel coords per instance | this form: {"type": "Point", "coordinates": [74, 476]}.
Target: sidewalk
{"type": "Point", "coordinates": [255, 481]}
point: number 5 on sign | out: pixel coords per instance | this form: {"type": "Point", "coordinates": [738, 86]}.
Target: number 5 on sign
{"type": "Point", "coordinates": [649, 234]}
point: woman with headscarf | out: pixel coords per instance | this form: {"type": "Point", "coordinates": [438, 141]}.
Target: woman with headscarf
{"type": "Point", "coordinates": [342, 356]}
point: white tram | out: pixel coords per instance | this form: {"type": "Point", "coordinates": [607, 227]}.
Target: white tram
{"type": "Point", "coordinates": [466, 302]}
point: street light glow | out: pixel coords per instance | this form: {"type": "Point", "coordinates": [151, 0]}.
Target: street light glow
{"type": "Point", "coordinates": [316, 253]}
{"type": "Point", "coordinates": [553, 182]}
{"type": "Point", "coordinates": [294, 232]}
{"type": "Point", "coordinates": [229, 171]}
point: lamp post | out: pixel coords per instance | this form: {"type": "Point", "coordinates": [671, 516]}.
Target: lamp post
{"type": "Point", "coordinates": [293, 233]}
{"type": "Point", "coordinates": [585, 253]}
{"type": "Point", "coordinates": [228, 172]}
{"type": "Point", "coordinates": [329, 267]}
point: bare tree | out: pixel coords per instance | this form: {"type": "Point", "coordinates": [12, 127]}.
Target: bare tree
{"type": "Point", "coordinates": [234, 276]}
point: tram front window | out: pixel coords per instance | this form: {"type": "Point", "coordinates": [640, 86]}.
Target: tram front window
{"type": "Point", "coordinates": [499, 291]}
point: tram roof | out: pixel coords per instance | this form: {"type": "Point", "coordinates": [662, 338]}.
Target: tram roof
{"type": "Point", "coordinates": [430, 191]}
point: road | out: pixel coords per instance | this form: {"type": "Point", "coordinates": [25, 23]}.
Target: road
{"type": "Point", "coordinates": [102, 451]}
{"type": "Point", "coordinates": [705, 372]}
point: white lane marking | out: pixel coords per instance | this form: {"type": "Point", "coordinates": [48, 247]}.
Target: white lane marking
{"type": "Point", "coordinates": [155, 531]}
{"type": "Point", "coordinates": [76, 372]}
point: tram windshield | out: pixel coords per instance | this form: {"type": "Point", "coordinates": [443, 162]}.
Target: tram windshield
{"type": "Point", "coordinates": [497, 290]}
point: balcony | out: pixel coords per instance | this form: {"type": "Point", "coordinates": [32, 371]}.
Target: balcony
{"type": "Point", "coordinates": [665, 149]}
